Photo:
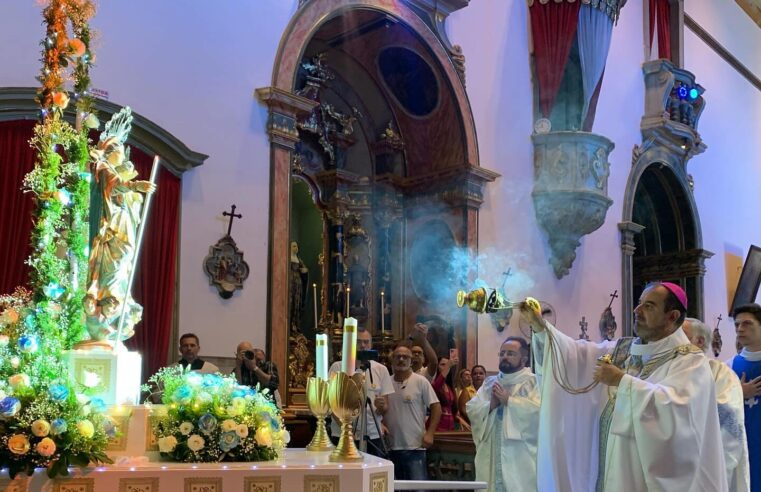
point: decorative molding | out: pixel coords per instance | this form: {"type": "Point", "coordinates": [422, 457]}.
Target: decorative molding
{"type": "Point", "coordinates": [285, 108]}
{"type": "Point", "coordinates": [720, 50]}
{"type": "Point", "coordinates": [203, 484]}
{"type": "Point", "coordinates": [18, 103]}
{"type": "Point", "coordinates": [322, 483]}
{"type": "Point", "coordinates": [628, 230]}
{"type": "Point", "coordinates": [74, 485]}
{"type": "Point", "coordinates": [18, 484]}
{"type": "Point", "coordinates": [570, 193]}
{"type": "Point", "coordinates": [379, 482]}
{"type": "Point", "coordinates": [261, 484]}
{"type": "Point", "coordinates": [145, 484]}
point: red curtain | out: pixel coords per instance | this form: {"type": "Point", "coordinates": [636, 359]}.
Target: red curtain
{"type": "Point", "coordinates": [553, 27]}
{"type": "Point", "coordinates": [154, 285]}
{"type": "Point", "coordinates": [660, 19]}
{"type": "Point", "coordinates": [16, 159]}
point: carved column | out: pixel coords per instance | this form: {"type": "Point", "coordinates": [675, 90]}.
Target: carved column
{"type": "Point", "coordinates": [628, 230]}
{"type": "Point", "coordinates": [284, 110]}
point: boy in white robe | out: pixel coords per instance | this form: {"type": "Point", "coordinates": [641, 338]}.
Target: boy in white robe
{"type": "Point", "coordinates": [504, 416]}
{"type": "Point", "coordinates": [650, 425]}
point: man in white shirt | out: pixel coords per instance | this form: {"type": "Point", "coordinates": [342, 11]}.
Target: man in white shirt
{"type": "Point", "coordinates": [378, 386]}
{"type": "Point", "coordinates": [504, 416]}
{"type": "Point", "coordinates": [729, 399]}
{"type": "Point", "coordinates": [405, 419]}
{"type": "Point", "coordinates": [650, 425]}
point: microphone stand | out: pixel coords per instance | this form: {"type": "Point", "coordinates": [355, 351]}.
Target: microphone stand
{"type": "Point", "coordinates": [363, 437]}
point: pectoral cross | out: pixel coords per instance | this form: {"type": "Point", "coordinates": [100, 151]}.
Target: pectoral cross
{"type": "Point", "coordinates": [583, 324]}
{"type": "Point", "coordinates": [232, 216]}
{"type": "Point", "coordinates": [613, 297]}
{"type": "Point", "coordinates": [751, 402]}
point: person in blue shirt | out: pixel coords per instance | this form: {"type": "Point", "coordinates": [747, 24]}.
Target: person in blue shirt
{"type": "Point", "coordinates": [747, 365]}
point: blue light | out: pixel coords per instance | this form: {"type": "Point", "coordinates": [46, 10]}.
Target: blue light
{"type": "Point", "coordinates": [682, 92]}
{"type": "Point", "coordinates": [694, 94]}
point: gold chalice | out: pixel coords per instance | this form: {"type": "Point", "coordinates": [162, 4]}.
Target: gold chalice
{"type": "Point", "coordinates": [317, 398]}
{"type": "Point", "coordinates": [346, 396]}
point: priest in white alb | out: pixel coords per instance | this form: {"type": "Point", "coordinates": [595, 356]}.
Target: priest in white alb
{"type": "Point", "coordinates": [628, 415]}
{"type": "Point", "coordinates": [504, 416]}
{"type": "Point", "coordinates": [730, 406]}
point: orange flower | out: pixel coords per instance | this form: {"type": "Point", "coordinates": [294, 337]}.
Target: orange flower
{"type": "Point", "coordinates": [46, 447]}
{"type": "Point", "coordinates": [77, 47]}
{"type": "Point", "coordinates": [61, 99]}
{"type": "Point", "coordinates": [18, 444]}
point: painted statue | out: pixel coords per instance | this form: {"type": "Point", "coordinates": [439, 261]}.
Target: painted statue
{"type": "Point", "coordinates": [114, 247]}
{"type": "Point", "coordinates": [298, 287]}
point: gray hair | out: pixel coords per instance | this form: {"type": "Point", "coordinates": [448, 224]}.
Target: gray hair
{"type": "Point", "coordinates": [700, 329]}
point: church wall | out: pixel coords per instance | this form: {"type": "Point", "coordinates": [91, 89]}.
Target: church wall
{"type": "Point", "coordinates": [192, 70]}
{"type": "Point", "coordinates": [728, 174]}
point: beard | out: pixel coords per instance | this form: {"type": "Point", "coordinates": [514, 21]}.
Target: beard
{"type": "Point", "coordinates": [508, 368]}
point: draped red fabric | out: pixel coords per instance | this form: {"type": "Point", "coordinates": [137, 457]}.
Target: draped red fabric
{"type": "Point", "coordinates": [16, 159]}
{"type": "Point", "coordinates": [660, 19]}
{"type": "Point", "coordinates": [154, 285]}
{"type": "Point", "coordinates": [553, 27]}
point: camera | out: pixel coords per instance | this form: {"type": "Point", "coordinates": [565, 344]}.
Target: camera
{"type": "Point", "coordinates": [249, 354]}
{"type": "Point", "coordinates": [365, 356]}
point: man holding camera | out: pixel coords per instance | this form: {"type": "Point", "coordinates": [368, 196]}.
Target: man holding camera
{"type": "Point", "coordinates": [377, 386]}
{"type": "Point", "coordinates": [251, 369]}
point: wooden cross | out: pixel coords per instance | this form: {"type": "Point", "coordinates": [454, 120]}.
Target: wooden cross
{"type": "Point", "coordinates": [506, 275]}
{"type": "Point", "coordinates": [232, 216]}
{"type": "Point", "coordinates": [613, 297]}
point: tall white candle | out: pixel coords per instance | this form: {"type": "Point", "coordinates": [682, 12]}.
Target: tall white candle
{"type": "Point", "coordinates": [349, 354]}
{"type": "Point", "coordinates": [321, 356]}
{"type": "Point", "coordinates": [348, 298]}
{"type": "Point", "coordinates": [314, 288]}
{"type": "Point", "coordinates": [383, 311]}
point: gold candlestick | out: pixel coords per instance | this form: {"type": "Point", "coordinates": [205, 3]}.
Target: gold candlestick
{"type": "Point", "coordinates": [346, 395]}
{"type": "Point", "coordinates": [317, 397]}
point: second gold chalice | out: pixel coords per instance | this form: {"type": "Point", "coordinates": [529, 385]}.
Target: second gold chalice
{"type": "Point", "coordinates": [346, 395]}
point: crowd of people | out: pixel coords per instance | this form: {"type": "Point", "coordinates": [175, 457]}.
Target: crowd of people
{"type": "Point", "coordinates": [644, 413]}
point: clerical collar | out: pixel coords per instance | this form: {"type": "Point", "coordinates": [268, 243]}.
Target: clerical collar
{"type": "Point", "coordinates": [510, 378]}
{"type": "Point", "coordinates": [196, 365]}
{"type": "Point", "coordinates": [661, 346]}
{"type": "Point", "coordinates": [750, 356]}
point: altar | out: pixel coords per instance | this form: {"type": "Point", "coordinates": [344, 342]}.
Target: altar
{"type": "Point", "coordinates": [296, 470]}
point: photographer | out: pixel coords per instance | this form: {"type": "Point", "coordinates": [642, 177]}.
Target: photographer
{"type": "Point", "coordinates": [251, 369]}
{"type": "Point", "coordinates": [377, 385]}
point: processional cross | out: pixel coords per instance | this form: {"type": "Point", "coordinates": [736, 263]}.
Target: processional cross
{"type": "Point", "coordinates": [716, 342]}
{"type": "Point", "coordinates": [232, 216]}
{"type": "Point", "coordinates": [506, 274]}
{"type": "Point", "coordinates": [583, 324]}
{"type": "Point", "coordinates": [613, 297]}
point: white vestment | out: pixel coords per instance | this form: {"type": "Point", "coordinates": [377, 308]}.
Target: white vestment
{"type": "Point", "coordinates": [506, 437]}
{"type": "Point", "coordinates": [729, 397]}
{"type": "Point", "coordinates": [662, 431]}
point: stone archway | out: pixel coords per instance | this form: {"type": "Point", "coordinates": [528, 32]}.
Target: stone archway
{"type": "Point", "coordinates": [461, 182]}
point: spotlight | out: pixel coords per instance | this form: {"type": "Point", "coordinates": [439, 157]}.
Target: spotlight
{"type": "Point", "coordinates": [694, 93]}
{"type": "Point", "coordinates": [682, 92]}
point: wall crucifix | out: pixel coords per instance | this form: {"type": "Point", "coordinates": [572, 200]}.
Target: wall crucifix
{"type": "Point", "coordinates": [224, 264]}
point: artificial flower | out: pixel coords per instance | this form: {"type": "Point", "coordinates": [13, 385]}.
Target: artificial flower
{"type": "Point", "coordinates": [182, 395]}
{"type": "Point", "coordinates": [9, 407]}
{"type": "Point", "coordinates": [186, 428]}
{"type": "Point", "coordinates": [15, 362]}
{"type": "Point", "coordinates": [61, 99]}
{"type": "Point", "coordinates": [285, 436]}
{"type": "Point", "coordinates": [85, 428]}
{"type": "Point", "coordinates": [40, 428]}
{"type": "Point", "coordinates": [194, 379]}
{"type": "Point", "coordinates": [18, 444]}
{"type": "Point", "coordinates": [196, 443]}
{"type": "Point", "coordinates": [4, 340]}
{"type": "Point", "coordinates": [167, 444]}
{"type": "Point", "coordinates": [207, 423]}
{"type": "Point", "coordinates": [229, 425]}
{"type": "Point", "coordinates": [91, 121]}
{"type": "Point", "coordinates": [228, 441]}
{"type": "Point", "coordinates": [58, 427]}
{"type": "Point", "coordinates": [242, 431]}
{"type": "Point", "coordinates": [77, 47]}
{"type": "Point", "coordinates": [46, 447]}
{"type": "Point", "coordinates": [19, 381]}
{"type": "Point", "coordinates": [27, 344]}
{"type": "Point", "coordinates": [263, 436]}
{"type": "Point", "coordinates": [58, 392]}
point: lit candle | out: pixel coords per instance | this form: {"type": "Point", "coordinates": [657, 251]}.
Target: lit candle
{"type": "Point", "coordinates": [314, 287]}
{"type": "Point", "coordinates": [383, 311]}
{"type": "Point", "coordinates": [348, 291]}
{"type": "Point", "coordinates": [349, 357]}
{"type": "Point", "coordinates": [321, 354]}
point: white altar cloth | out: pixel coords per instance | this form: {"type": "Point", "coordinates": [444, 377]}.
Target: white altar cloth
{"type": "Point", "coordinates": [298, 470]}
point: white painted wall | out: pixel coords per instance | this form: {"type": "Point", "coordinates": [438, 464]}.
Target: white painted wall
{"type": "Point", "coordinates": [192, 67]}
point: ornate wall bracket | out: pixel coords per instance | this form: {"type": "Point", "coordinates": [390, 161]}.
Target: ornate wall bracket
{"type": "Point", "coordinates": [570, 190]}
{"type": "Point", "coordinates": [673, 105]}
